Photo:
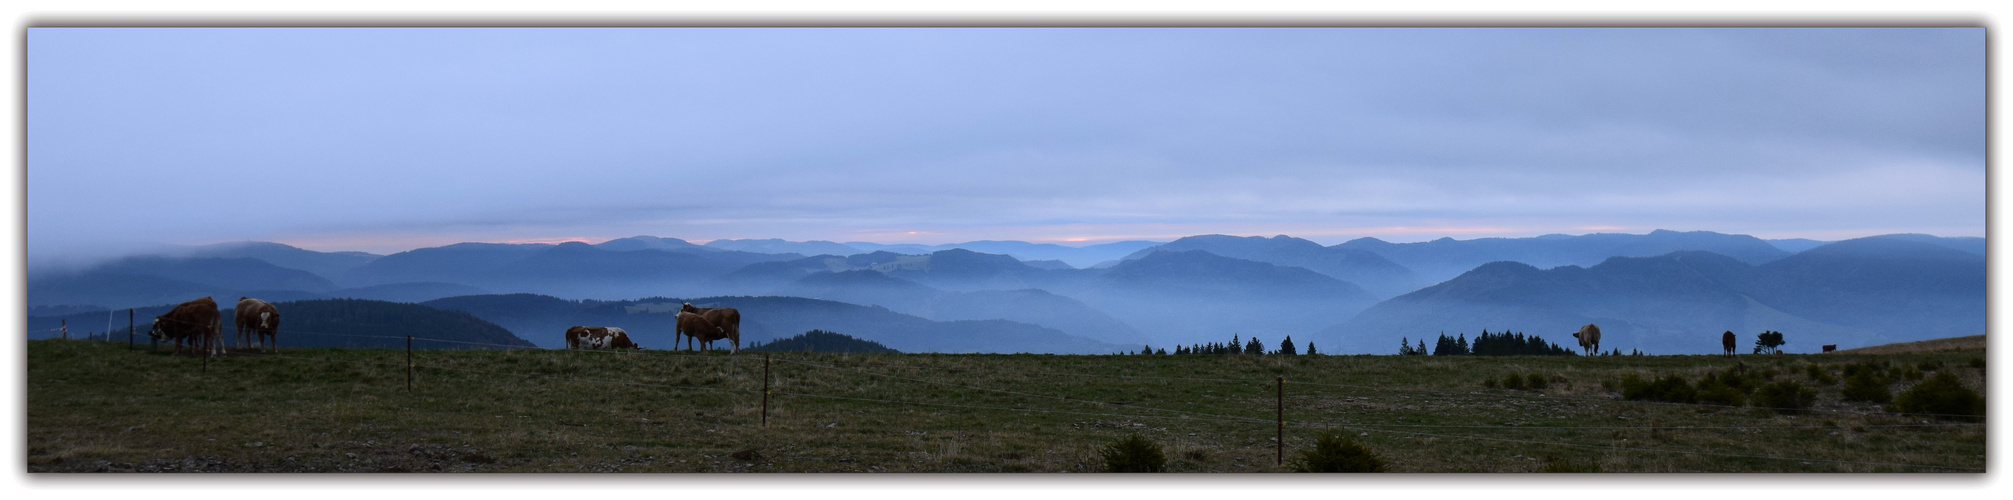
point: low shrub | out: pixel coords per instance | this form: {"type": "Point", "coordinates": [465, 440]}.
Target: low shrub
{"type": "Point", "coordinates": [1335, 452]}
{"type": "Point", "coordinates": [1929, 365]}
{"type": "Point", "coordinates": [1820, 375]}
{"type": "Point", "coordinates": [1785, 397]}
{"type": "Point", "coordinates": [1712, 391]}
{"type": "Point", "coordinates": [1669, 388]}
{"type": "Point", "coordinates": [1513, 381]}
{"type": "Point", "coordinates": [1134, 453]}
{"type": "Point", "coordinates": [1978, 363]}
{"type": "Point", "coordinates": [1942, 395]}
{"type": "Point", "coordinates": [1535, 381]}
{"type": "Point", "coordinates": [1866, 386]}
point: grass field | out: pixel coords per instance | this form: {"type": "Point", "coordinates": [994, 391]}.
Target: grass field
{"type": "Point", "coordinates": [94, 406]}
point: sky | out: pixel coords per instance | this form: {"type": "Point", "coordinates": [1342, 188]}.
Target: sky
{"type": "Point", "coordinates": [388, 139]}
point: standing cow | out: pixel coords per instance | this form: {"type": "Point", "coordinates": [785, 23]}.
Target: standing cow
{"type": "Point", "coordinates": [258, 320]}
{"type": "Point", "coordinates": [1726, 342]}
{"type": "Point", "coordinates": [198, 321]}
{"type": "Point", "coordinates": [696, 328]}
{"type": "Point", "coordinates": [597, 337]}
{"type": "Point", "coordinates": [1590, 338]}
{"type": "Point", "coordinates": [726, 319]}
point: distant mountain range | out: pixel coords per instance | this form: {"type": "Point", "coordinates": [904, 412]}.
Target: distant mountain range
{"type": "Point", "coordinates": [1856, 292]}
{"type": "Point", "coordinates": [1657, 290]}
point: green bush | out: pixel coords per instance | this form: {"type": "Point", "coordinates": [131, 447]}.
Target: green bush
{"type": "Point", "coordinates": [1819, 374]}
{"type": "Point", "coordinates": [1669, 388]}
{"type": "Point", "coordinates": [1134, 453]}
{"type": "Point", "coordinates": [1335, 452]}
{"type": "Point", "coordinates": [1535, 381]}
{"type": "Point", "coordinates": [1866, 386]}
{"type": "Point", "coordinates": [1942, 395]}
{"type": "Point", "coordinates": [1929, 365]}
{"type": "Point", "coordinates": [1513, 381]}
{"type": "Point", "coordinates": [1712, 391]}
{"type": "Point", "coordinates": [1785, 397]}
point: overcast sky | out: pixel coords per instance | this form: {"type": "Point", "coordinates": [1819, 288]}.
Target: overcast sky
{"type": "Point", "coordinates": [389, 139]}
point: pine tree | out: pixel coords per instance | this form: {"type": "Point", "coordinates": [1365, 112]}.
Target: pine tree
{"type": "Point", "coordinates": [1310, 349]}
{"type": "Point", "coordinates": [1421, 350]}
{"type": "Point", "coordinates": [1404, 346]}
{"type": "Point", "coordinates": [1254, 347]}
{"type": "Point", "coordinates": [1160, 352]}
{"type": "Point", "coordinates": [1461, 344]}
{"type": "Point", "coordinates": [1286, 347]}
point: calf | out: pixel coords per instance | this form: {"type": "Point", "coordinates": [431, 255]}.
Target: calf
{"type": "Point", "coordinates": [726, 319]}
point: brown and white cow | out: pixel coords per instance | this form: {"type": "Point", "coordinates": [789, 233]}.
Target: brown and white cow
{"type": "Point", "coordinates": [597, 337]}
{"type": "Point", "coordinates": [257, 320]}
{"type": "Point", "coordinates": [726, 320]}
{"type": "Point", "coordinates": [198, 321]}
{"type": "Point", "coordinates": [1726, 342]}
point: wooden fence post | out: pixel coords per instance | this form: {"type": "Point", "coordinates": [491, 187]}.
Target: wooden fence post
{"type": "Point", "coordinates": [65, 325]}
{"type": "Point", "coordinates": [1279, 457]}
{"type": "Point", "coordinates": [765, 390]}
{"type": "Point", "coordinates": [129, 330]}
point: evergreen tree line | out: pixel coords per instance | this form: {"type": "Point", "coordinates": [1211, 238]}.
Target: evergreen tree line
{"type": "Point", "coordinates": [1236, 346]}
{"type": "Point", "coordinates": [1486, 344]}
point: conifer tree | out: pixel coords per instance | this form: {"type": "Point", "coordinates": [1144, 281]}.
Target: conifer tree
{"type": "Point", "coordinates": [1286, 347]}
{"type": "Point", "coordinates": [1404, 346]}
{"type": "Point", "coordinates": [1310, 349]}
{"type": "Point", "coordinates": [1421, 350]}
{"type": "Point", "coordinates": [1254, 347]}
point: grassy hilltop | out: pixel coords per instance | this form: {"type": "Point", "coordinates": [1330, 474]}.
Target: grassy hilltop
{"type": "Point", "coordinates": [94, 406]}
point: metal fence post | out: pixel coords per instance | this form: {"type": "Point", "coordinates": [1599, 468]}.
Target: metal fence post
{"type": "Point", "coordinates": [1279, 457]}
{"type": "Point", "coordinates": [765, 390]}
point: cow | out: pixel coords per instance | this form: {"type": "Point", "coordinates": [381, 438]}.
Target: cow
{"type": "Point", "coordinates": [726, 319]}
{"type": "Point", "coordinates": [258, 320]}
{"type": "Point", "coordinates": [198, 321]}
{"type": "Point", "coordinates": [597, 337]}
{"type": "Point", "coordinates": [1830, 347]}
{"type": "Point", "coordinates": [697, 328]}
{"type": "Point", "coordinates": [1590, 338]}
{"type": "Point", "coordinates": [1726, 341]}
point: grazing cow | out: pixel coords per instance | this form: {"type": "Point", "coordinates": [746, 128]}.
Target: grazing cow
{"type": "Point", "coordinates": [1590, 338]}
{"type": "Point", "coordinates": [726, 319]}
{"type": "Point", "coordinates": [1726, 342]}
{"type": "Point", "coordinates": [597, 337]}
{"type": "Point", "coordinates": [1830, 347]}
{"type": "Point", "coordinates": [198, 321]}
{"type": "Point", "coordinates": [259, 320]}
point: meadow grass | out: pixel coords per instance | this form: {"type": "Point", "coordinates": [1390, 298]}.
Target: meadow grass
{"type": "Point", "coordinates": [93, 406]}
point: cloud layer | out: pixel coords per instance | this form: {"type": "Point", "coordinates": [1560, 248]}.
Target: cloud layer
{"type": "Point", "coordinates": [389, 138]}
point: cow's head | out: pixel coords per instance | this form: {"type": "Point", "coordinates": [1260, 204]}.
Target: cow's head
{"type": "Point", "coordinates": [688, 308]}
{"type": "Point", "coordinates": [154, 330]}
